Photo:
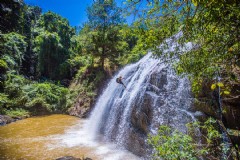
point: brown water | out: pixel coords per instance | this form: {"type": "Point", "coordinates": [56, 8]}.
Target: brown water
{"type": "Point", "coordinates": [51, 137]}
{"type": "Point", "coordinates": [30, 139]}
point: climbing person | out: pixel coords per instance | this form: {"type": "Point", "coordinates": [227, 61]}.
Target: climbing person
{"type": "Point", "coordinates": [119, 80]}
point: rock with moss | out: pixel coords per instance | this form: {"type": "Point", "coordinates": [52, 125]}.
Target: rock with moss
{"type": "Point", "coordinates": [84, 90]}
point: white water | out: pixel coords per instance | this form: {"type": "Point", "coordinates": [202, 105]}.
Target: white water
{"type": "Point", "coordinates": [121, 118]}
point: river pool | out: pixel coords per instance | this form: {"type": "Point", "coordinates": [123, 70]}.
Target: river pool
{"type": "Point", "coordinates": [51, 137]}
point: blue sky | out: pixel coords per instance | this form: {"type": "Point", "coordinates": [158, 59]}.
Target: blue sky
{"type": "Point", "coordinates": [73, 10]}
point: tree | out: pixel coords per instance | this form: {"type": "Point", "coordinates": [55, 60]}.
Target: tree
{"type": "Point", "coordinates": [212, 26]}
{"type": "Point", "coordinates": [26, 25]}
{"type": "Point", "coordinates": [105, 22]}
{"type": "Point", "coordinates": [12, 47]}
{"type": "Point", "coordinates": [52, 44]}
{"type": "Point", "coordinates": [50, 54]}
{"type": "Point", "coordinates": [9, 13]}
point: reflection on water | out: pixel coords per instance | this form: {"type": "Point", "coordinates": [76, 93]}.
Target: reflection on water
{"type": "Point", "coordinates": [51, 137]}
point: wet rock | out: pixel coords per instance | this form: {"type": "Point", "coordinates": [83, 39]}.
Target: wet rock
{"type": "Point", "coordinates": [137, 144]}
{"type": "Point", "coordinates": [159, 105]}
{"type": "Point", "coordinates": [142, 114]}
{"type": "Point", "coordinates": [5, 120]}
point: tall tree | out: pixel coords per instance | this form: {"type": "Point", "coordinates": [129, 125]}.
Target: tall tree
{"type": "Point", "coordinates": [105, 21]}
{"type": "Point", "coordinates": [9, 14]}
{"type": "Point", "coordinates": [27, 22]}
{"type": "Point", "coordinates": [52, 44]}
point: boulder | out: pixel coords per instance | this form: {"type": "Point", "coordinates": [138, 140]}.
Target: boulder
{"type": "Point", "coordinates": [4, 119]}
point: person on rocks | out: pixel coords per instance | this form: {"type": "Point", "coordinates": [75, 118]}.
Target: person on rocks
{"type": "Point", "coordinates": [119, 80]}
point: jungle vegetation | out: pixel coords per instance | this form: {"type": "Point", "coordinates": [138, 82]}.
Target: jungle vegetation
{"type": "Point", "coordinates": [41, 54]}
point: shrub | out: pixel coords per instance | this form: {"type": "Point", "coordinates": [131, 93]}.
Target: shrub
{"type": "Point", "coordinates": [171, 144]}
{"type": "Point", "coordinates": [17, 113]}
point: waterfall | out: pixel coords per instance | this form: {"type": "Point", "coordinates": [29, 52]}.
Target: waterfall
{"type": "Point", "coordinates": [154, 95]}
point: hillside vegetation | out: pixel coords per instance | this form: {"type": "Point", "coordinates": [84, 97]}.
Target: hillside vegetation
{"type": "Point", "coordinates": [41, 54]}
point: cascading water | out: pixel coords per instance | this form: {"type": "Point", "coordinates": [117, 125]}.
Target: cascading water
{"type": "Point", "coordinates": [154, 96]}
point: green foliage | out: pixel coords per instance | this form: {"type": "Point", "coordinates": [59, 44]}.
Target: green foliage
{"type": "Point", "coordinates": [17, 113]}
{"type": "Point", "coordinates": [9, 12]}
{"type": "Point", "coordinates": [39, 47]}
{"type": "Point", "coordinates": [53, 46]}
{"type": "Point", "coordinates": [170, 144]}
{"type": "Point", "coordinates": [52, 22]}
{"type": "Point", "coordinates": [134, 50]}
{"type": "Point", "coordinates": [211, 26]}
{"type": "Point", "coordinates": [105, 40]}
{"type": "Point", "coordinates": [87, 84]}
{"type": "Point", "coordinates": [46, 95]}
{"type": "Point", "coordinates": [13, 47]}
{"type": "Point", "coordinates": [32, 96]}
{"type": "Point", "coordinates": [3, 69]}
{"type": "Point", "coordinates": [49, 49]}
{"type": "Point", "coordinates": [223, 89]}
{"type": "Point", "coordinates": [3, 102]}
{"type": "Point", "coordinates": [14, 84]}
{"type": "Point", "coordinates": [3, 65]}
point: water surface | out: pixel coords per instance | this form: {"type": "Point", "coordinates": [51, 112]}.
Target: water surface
{"type": "Point", "coordinates": [51, 137]}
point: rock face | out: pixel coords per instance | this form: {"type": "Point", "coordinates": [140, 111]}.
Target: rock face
{"type": "Point", "coordinates": [209, 104]}
{"type": "Point", "coordinates": [231, 115]}
{"type": "Point", "coordinates": [5, 120]}
{"type": "Point", "coordinates": [81, 107]}
{"type": "Point", "coordinates": [166, 101]}
{"type": "Point", "coordinates": [85, 100]}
